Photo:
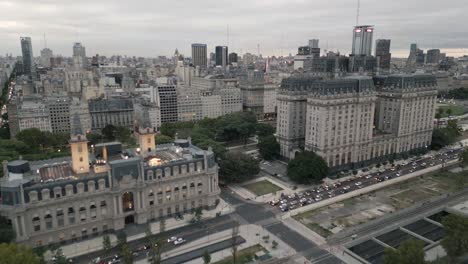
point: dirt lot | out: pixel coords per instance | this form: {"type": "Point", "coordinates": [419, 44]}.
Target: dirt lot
{"type": "Point", "coordinates": [336, 217]}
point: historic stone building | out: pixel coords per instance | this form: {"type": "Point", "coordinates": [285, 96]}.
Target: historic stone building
{"type": "Point", "coordinates": [105, 189]}
{"type": "Point", "coordinates": [356, 120]}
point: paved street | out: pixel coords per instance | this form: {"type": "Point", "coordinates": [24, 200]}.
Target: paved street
{"type": "Point", "coordinates": [189, 233]}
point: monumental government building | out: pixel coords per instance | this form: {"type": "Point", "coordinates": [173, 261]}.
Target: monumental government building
{"type": "Point", "coordinates": [353, 121]}
{"type": "Point", "coordinates": [106, 187]}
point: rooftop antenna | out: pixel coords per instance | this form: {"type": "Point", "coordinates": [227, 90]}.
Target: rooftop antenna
{"type": "Point", "coordinates": [227, 44]}
{"type": "Point", "coordinates": [258, 49]}
{"type": "Point", "coordinates": [357, 13]}
{"type": "Point", "coordinates": [45, 42]}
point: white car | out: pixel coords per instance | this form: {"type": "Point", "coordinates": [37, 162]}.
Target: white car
{"type": "Point", "coordinates": [172, 239]}
{"type": "Point", "coordinates": [179, 241]}
{"type": "Point", "coordinates": [358, 183]}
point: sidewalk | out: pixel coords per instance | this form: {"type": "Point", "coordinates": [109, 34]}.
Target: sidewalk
{"type": "Point", "coordinates": [249, 233]}
{"type": "Point", "coordinates": [95, 244]}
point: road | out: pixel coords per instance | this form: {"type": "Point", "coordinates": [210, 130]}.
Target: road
{"type": "Point", "coordinates": [189, 233]}
{"type": "Point", "coordinates": [324, 192]}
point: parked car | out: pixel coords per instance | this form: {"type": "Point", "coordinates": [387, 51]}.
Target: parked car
{"type": "Point", "coordinates": [171, 239]}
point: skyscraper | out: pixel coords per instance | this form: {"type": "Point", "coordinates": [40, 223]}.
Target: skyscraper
{"type": "Point", "coordinates": [221, 56]}
{"type": "Point", "coordinates": [232, 57]}
{"type": "Point", "coordinates": [313, 43]}
{"type": "Point", "coordinates": [362, 40]}
{"type": "Point", "coordinates": [199, 55]}
{"type": "Point", "coordinates": [79, 54]}
{"type": "Point", "coordinates": [27, 52]}
{"type": "Point", "coordinates": [46, 55]}
{"type": "Point", "coordinates": [382, 53]}
{"type": "Point", "coordinates": [433, 56]}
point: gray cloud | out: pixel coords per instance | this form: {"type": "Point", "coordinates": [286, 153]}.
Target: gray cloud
{"type": "Point", "coordinates": [157, 27]}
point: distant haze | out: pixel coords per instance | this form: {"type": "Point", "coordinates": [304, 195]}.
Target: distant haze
{"type": "Point", "coordinates": [156, 27]}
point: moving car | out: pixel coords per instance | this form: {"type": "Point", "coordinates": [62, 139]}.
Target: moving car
{"type": "Point", "coordinates": [179, 241]}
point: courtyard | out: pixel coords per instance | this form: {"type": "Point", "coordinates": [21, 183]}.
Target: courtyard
{"type": "Point", "coordinates": [262, 187]}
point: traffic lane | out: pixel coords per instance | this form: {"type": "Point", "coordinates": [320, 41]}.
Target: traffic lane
{"type": "Point", "coordinates": [142, 254]}
{"type": "Point", "coordinates": [367, 180]}
{"type": "Point", "coordinates": [290, 237]}
{"type": "Point", "coordinates": [199, 252]}
{"type": "Point", "coordinates": [217, 224]}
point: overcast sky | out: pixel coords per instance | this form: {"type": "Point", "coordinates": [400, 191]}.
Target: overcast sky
{"type": "Point", "coordinates": [156, 27]}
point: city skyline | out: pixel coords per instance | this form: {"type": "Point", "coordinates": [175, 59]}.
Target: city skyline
{"type": "Point", "coordinates": [149, 33]}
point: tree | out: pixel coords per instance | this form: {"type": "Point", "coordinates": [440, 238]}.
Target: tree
{"type": "Point", "coordinates": [17, 254]}
{"type": "Point", "coordinates": [198, 213]}
{"type": "Point", "coordinates": [464, 158]}
{"type": "Point", "coordinates": [33, 137]}
{"type": "Point", "coordinates": [449, 112]}
{"type": "Point", "coordinates": [162, 139]}
{"type": "Point", "coordinates": [109, 132]}
{"type": "Point", "coordinates": [234, 234]}
{"type": "Point", "coordinates": [438, 116]}
{"type": "Point", "coordinates": [307, 167]}
{"type": "Point", "coordinates": [106, 243]}
{"type": "Point", "coordinates": [121, 239]}
{"type": "Point", "coordinates": [455, 241]}
{"type": "Point", "coordinates": [59, 257]}
{"type": "Point", "coordinates": [264, 130]}
{"type": "Point", "coordinates": [127, 255]}
{"type": "Point", "coordinates": [206, 257]}
{"type": "Point", "coordinates": [268, 147]}
{"type": "Point", "coordinates": [409, 252]}
{"type": "Point", "coordinates": [123, 134]}
{"type": "Point", "coordinates": [7, 234]}
{"type": "Point", "coordinates": [237, 167]}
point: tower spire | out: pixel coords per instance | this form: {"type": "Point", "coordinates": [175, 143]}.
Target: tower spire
{"type": "Point", "coordinates": [357, 12]}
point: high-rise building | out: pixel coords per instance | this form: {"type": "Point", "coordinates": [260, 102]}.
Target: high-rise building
{"type": "Point", "coordinates": [382, 53]}
{"type": "Point", "coordinates": [113, 111]}
{"type": "Point", "coordinates": [28, 58]}
{"type": "Point", "coordinates": [46, 55]}
{"type": "Point", "coordinates": [413, 47]}
{"type": "Point", "coordinates": [167, 101]}
{"type": "Point", "coordinates": [199, 55]}
{"type": "Point", "coordinates": [221, 56]}
{"type": "Point", "coordinates": [433, 56]}
{"type": "Point", "coordinates": [362, 40]}
{"type": "Point", "coordinates": [314, 43]}
{"type": "Point", "coordinates": [232, 57]}
{"type": "Point", "coordinates": [79, 54]}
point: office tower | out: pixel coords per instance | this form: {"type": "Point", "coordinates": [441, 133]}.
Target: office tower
{"type": "Point", "coordinates": [28, 59]}
{"type": "Point", "coordinates": [382, 53]}
{"type": "Point", "coordinates": [79, 54]}
{"type": "Point", "coordinates": [221, 56]}
{"type": "Point", "coordinates": [46, 55]}
{"type": "Point", "coordinates": [199, 55]}
{"type": "Point", "coordinates": [167, 101]}
{"type": "Point", "coordinates": [413, 47]}
{"type": "Point", "coordinates": [252, 85]}
{"type": "Point", "coordinates": [304, 50]}
{"type": "Point", "coordinates": [313, 43]}
{"type": "Point", "coordinates": [362, 40]}
{"type": "Point", "coordinates": [433, 56]}
{"type": "Point", "coordinates": [232, 57]}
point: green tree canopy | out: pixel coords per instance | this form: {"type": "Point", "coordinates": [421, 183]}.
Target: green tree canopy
{"type": "Point", "coordinates": [123, 135]}
{"type": "Point", "coordinates": [206, 257]}
{"type": "Point", "coordinates": [33, 137]}
{"type": "Point", "coordinates": [464, 157]}
{"type": "Point", "coordinates": [442, 137]}
{"type": "Point", "coordinates": [237, 167]}
{"type": "Point", "coordinates": [409, 252]}
{"type": "Point", "coordinates": [17, 254]}
{"type": "Point", "coordinates": [307, 167]}
{"type": "Point", "coordinates": [264, 130]}
{"type": "Point", "coordinates": [162, 139]}
{"type": "Point", "coordinates": [455, 241]}
{"type": "Point", "coordinates": [7, 234]}
{"type": "Point", "coordinates": [109, 132]}
{"type": "Point", "coordinates": [268, 147]}
{"type": "Point", "coordinates": [240, 125]}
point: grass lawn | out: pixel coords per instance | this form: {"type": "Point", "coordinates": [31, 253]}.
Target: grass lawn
{"type": "Point", "coordinates": [318, 229]}
{"type": "Point", "coordinates": [243, 256]}
{"type": "Point", "coordinates": [456, 109]}
{"type": "Point", "coordinates": [262, 187]}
